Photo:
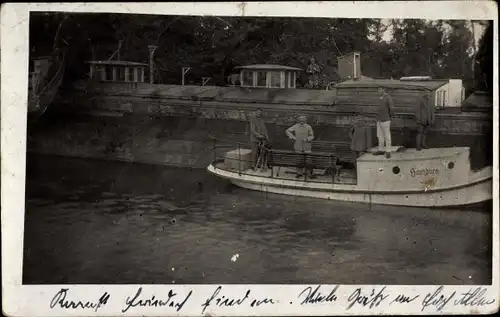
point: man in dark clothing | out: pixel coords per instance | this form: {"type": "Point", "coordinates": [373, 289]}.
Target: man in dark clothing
{"type": "Point", "coordinates": [258, 134]}
{"type": "Point", "coordinates": [424, 116]}
{"type": "Point", "coordinates": [384, 115]}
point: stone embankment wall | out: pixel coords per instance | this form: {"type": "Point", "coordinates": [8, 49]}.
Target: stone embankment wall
{"type": "Point", "coordinates": [186, 140]}
{"type": "Point", "coordinates": [131, 123]}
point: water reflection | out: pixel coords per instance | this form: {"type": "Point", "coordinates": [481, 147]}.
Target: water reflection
{"type": "Point", "coordinates": [90, 221]}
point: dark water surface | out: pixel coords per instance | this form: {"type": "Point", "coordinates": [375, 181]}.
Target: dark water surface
{"type": "Point", "coordinates": [91, 221]}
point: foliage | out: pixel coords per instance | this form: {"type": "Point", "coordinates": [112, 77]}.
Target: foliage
{"type": "Point", "coordinates": [213, 46]}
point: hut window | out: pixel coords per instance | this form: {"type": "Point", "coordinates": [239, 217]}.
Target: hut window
{"type": "Point", "coordinates": [109, 73]}
{"type": "Point", "coordinates": [142, 74]}
{"type": "Point", "coordinates": [121, 73]}
{"type": "Point", "coordinates": [115, 75]}
{"type": "Point", "coordinates": [444, 98]}
{"type": "Point", "coordinates": [275, 79]}
{"type": "Point", "coordinates": [247, 79]}
{"type": "Point", "coordinates": [439, 99]}
{"type": "Point", "coordinates": [291, 79]}
{"type": "Point", "coordinates": [102, 71]}
{"type": "Point", "coordinates": [136, 74]}
{"type": "Point", "coordinates": [261, 79]}
{"type": "Point", "coordinates": [127, 74]}
{"type": "Point", "coordinates": [294, 80]}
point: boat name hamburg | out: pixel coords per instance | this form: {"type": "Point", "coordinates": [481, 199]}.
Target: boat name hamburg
{"type": "Point", "coordinates": [424, 172]}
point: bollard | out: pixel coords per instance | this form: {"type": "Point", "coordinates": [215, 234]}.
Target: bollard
{"type": "Point", "coordinates": [239, 159]}
{"type": "Point", "coordinates": [332, 171]}
{"type": "Point", "coordinates": [305, 166]}
{"type": "Point", "coordinates": [215, 154]}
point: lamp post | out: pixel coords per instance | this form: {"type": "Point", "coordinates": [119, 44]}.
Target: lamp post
{"type": "Point", "coordinates": [152, 49]}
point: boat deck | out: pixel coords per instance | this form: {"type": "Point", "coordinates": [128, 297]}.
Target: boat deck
{"type": "Point", "coordinates": [344, 176]}
{"type": "Point", "coordinates": [399, 154]}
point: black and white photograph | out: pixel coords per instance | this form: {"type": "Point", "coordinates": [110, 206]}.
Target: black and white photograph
{"type": "Point", "coordinates": [223, 149]}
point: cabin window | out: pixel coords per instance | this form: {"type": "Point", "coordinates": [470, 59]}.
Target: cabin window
{"type": "Point", "coordinates": [275, 79]}
{"type": "Point", "coordinates": [247, 79]}
{"type": "Point", "coordinates": [439, 97]}
{"type": "Point", "coordinates": [444, 98]}
{"type": "Point", "coordinates": [396, 170]}
{"type": "Point", "coordinates": [261, 79]}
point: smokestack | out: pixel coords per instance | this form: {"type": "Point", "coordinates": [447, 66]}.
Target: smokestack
{"type": "Point", "coordinates": [349, 66]}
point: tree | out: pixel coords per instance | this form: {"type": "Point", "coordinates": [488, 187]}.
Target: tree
{"type": "Point", "coordinates": [483, 70]}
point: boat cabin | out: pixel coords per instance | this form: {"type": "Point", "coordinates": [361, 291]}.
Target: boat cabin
{"type": "Point", "coordinates": [267, 76]}
{"type": "Point", "coordinates": [117, 71]}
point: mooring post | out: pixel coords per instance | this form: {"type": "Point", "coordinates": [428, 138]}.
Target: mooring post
{"type": "Point", "coordinates": [239, 159]}
{"type": "Point", "coordinates": [185, 70]}
{"type": "Point", "coordinates": [215, 154]}
{"type": "Point", "coordinates": [204, 80]}
{"type": "Point", "coordinates": [305, 166]}
{"type": "Point", "coordinates": [269, 156]}
{"type": "Point", "coordinates": [332, 169]}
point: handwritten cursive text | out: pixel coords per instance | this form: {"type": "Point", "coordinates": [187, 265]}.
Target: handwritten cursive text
{"type": "Point", "coordinates": [173, 300]}
{"type": "Point", "coordinates": [315, 296]}
{"type": "Point", "coordinates": [60, 299]}
{"type": "Point", "coordinates": [474, 297]}
{"type": "Point", "coordinates": [216, 299]}
{"type": "Point", "coordinates": [372, 300]}
{"type": "Point", "coordinates": [436, 299]}
{"type": "Point", "coordinates": [403, 299]}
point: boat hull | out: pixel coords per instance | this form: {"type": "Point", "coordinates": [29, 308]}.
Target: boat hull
{"type": "Point", "coordinates": [473, 193]}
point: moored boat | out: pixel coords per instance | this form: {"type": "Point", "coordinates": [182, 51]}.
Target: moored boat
{"type": "Point", "coordinates": [436, 177]}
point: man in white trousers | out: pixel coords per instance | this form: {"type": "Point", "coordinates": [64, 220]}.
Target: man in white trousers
{"type": "Point", "coordinates": [384, 115]}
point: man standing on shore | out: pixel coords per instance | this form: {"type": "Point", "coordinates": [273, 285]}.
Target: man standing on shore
{"type": "Point", "coordinates": [384, 115]}
{"type": "Point", "coordinates": [424, 115]}
{"type": "Point", "coordinates": [302, 134]}
{"type": "Point", "coordinates": [258, 134]}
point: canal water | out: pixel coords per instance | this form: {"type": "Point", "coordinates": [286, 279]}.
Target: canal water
{"type": "Point", "coordinates": [92, 221]}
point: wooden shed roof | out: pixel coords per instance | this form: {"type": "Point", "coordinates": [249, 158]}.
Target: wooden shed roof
{"type": "Point", "coordinates": [393, 84]}
{"type": "Point", "coordinates": [267, 67]}
{"type": "Point", "coordinates": [116, 63]}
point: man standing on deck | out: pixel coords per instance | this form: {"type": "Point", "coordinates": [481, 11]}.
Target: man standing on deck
{"type": "Point", "coordinates": [384, 115]}
{"type": "Point", "coordinates": [258, 134]}
{"type": "Point", "coordinates": [303, 135]}
{"type": "Point", "coordinates": [424, 115]}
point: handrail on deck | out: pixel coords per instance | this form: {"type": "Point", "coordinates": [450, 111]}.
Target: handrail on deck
{"type": "Point", "coordinates": [217, 158]}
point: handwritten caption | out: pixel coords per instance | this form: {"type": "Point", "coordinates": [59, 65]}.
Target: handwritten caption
{"type": "Point", "coordinates": [224, 297]}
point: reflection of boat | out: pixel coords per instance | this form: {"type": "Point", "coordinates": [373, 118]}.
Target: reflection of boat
{"type": "Point", "coordinates": [428, 178]}
{"type": "Point", "coordinates": [45, 79]}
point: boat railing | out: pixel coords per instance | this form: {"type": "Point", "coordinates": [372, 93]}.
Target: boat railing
{"type": "Point", "coordinates": [289, 158]}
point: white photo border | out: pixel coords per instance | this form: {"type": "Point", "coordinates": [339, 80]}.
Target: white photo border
{"type": "Point", "coordinates": [34, 300]}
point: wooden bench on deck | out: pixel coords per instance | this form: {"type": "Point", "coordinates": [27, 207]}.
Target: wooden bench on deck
{"type": "Point", "coordinates": [341, 150]}
{"type": "Point", "coordinates": [285, 158]}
